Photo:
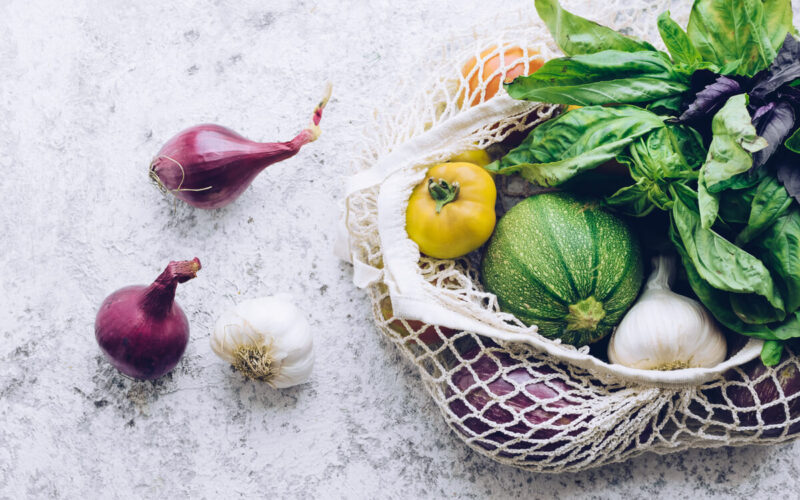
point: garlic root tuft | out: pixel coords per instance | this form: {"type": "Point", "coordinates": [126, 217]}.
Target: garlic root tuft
{"type": "Point", "coordinates": [255, 362]}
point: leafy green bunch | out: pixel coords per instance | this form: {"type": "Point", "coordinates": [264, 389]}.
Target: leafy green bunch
{"type": "Point", "coordinates": [708, 132]}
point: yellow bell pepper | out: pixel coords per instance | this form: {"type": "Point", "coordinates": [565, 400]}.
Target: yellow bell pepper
{"type": "Point", "coordinates": [477, 156]}
{"type": "Point", "coordinates": [451, 212]}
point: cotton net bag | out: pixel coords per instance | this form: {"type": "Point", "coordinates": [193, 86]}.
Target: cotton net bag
{"type": "Point", "coordinates": [508, 392]}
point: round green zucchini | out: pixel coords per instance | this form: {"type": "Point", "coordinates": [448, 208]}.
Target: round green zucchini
{"type": "Point", "coordinates": [563, 264]}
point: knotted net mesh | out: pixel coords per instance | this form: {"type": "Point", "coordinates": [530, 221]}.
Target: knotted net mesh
{"type": "Point", "coordinates": [507, 400]}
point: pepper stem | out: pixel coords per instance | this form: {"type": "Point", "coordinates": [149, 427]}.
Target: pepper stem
{"type": "Point", "coordinates": [442, 192]}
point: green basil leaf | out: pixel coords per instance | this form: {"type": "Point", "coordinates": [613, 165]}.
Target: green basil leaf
{"type": "Point", "coordinates": [639, 200]}
{"type": "Point", "coordinates": [777, 21]}
{"type": "Point", "coordinates": [685, 194]}
{"type": "Point", "coordinates": [769, 203]}
{"type": "Point", "coordinates": [731, 67]}
{"type": "Point", "coordinates": [724, 31]}
{"type": "Point", "coordinates": [785, 165]}
{"type": "Point", "coordinates": [755, 309]}
{"type": "Point", "coordinates": [677, 41]}
{"type": "Point", "coordinates": [793, 142]}
{"type": "Point", "coordinates": [576, 141]}
{"type": "Point", "coordinates": [748, 313]}
{"type": "Point", "coordinates": [771, 352]}
{"type": "Point", "coordinates": [690, 143]}
{"type": "Point", "coordinates": [607, 77]}
{"type": "Point", "coordinates": [719, 262]}
{"type": "Point", "coordinates": [656, 160]}
{"type": "Point", "coordinates": [789, 329]}
{"type": "Point", "coordinates": [670, 106]}
{"type": "Point", "coordinates": [716, 301]}
{"type": "Point", "coordinates": [632, 200]}
{"type": "Point", "coordinates": [576, 35]}
{"type": "Point", "coordinates": [707, 201]}
{"type": "Point", "coordinates": [734, 206]}
{"type": "Point", "coordinates": [669, 152]}
{"type": "Point", "coordinates": [729, 157]}
{"type": "Point", "coordinates": [657, 194]}
{"type": "Point", "coordinates": [745, 180]}
{"type": "Point", "coordinates": [734, 140]}
{"type": "Point", "coordinates": [778, 247]}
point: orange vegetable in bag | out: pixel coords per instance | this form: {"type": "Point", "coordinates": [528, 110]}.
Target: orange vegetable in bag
{"type": "Point", "coordinates": [487, 71]}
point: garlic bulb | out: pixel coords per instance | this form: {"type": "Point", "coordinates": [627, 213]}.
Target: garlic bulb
{"type": "Point", "coordinates": [666, 331]}
{"type": "Point", "coordinates": [267, 339]}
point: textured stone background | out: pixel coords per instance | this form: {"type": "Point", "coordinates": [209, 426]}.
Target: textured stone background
{"type": "Point", "coordinates": [89, 90]}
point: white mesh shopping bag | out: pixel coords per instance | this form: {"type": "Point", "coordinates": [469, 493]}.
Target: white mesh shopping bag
{"type": "Point", "coordinates": [512, 394]}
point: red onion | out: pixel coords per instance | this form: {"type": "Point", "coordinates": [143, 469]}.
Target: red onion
{"type": "Point", "coordinates": [752, 398]}
{"type": "Point", "coordinates": [519, 402]}
{"type": "Point", "coordinates": [141, 330]}
{"type": "Point", "coordinates": [209, 166]}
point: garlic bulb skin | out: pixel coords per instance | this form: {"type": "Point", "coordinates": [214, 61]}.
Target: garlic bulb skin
{"type": "Point", "coordinates": [666, 331]}
{"type": "Point", "coordinates": [266, 339]}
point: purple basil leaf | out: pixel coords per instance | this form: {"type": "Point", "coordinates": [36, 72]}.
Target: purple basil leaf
{"type": "Point", "coordinates": [699, 80]}
{"type": "Point", "coordinates": [791, 94]}
{"type": "Point", "coordinates": [787, 168]}
{"type": "Point", "coordinates": [774, 122]}
{"type": "Point", "coordinates": [762, 110]}
{"type": "Point", "coordinates": [710, 100]}
{"type": "Point", "coordinates": [784, 69]}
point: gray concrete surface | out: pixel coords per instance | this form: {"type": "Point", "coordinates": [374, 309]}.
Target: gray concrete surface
{"type": "Point", "coordinates": [88, 92]}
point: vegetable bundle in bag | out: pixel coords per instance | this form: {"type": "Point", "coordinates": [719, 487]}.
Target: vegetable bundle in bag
{"type": "Point", "coordinates": [707, 132]}
{"type": "Point", "coordinates": [510, 393]}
